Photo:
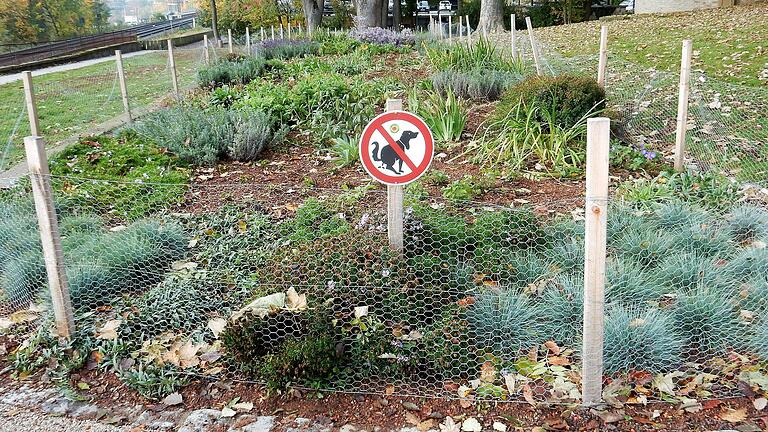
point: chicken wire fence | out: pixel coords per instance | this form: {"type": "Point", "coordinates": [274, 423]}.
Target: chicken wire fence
{"type": "Point", "coordinates": [726, 125]}
{"type": "Point", "coordinates": [298, 286]}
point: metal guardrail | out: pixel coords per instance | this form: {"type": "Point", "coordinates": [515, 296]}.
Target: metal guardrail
{"type": "Point", "coordinates": [85, 43]}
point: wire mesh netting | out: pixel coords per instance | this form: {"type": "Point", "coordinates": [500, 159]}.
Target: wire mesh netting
{"type": "Point", "coordinates": [283, 285]}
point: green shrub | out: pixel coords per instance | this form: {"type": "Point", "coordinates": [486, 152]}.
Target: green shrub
{"type": "Point", "coordinates": [430, 229]}
{"type": "Point", "coordinates": [641, 340]}
{"type": "Point", "coordinates": [285, 347]}
{"type": "Point", "coordinates": [708, 321]}
{"type": "Point", "coordinates": [467, 188]}
{"type": "Point", "coordinates": [511, 267]}
{"type": "Point", "coordinates": [286, 49]}
{"type": "Point", "coordinates": [568, 255]}
{"type": "Point", "coordinates": [505, 228]}
{"type": "Point", "coordinates": [708, 190]}
{"type": "Point", "coordinates": [503, 323]}
{"type": "Point", "coordinates": [481, 85]}
{"type": "Point", "coordinates": [748, 222]}
{"type": "Point", "coordinates": [570, 98]}
{"type": "Point", "coordinates": [195, 136]}
{"type": "Point", "coordinates": [562, 306]}
{"type": "Point", "coordinates": [253, 134]}
{"type": "Point", "coordinates": [237, 70]}
{"type": "Point", "coordinates": [313, 220]}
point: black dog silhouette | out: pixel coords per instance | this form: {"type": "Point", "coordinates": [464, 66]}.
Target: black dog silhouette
{"type": "Point", "coordinates": [388, 155]}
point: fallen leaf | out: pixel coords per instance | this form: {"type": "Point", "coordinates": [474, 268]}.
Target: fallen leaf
{"type": "Point", "coordinates": [471, 425]}
{"type": "Point", "coordinates": [488, 372]}
{"type": "Point", "coordinates": [448, 425]}
{"type": "Point", "coordinates": [528, 395]}
{"type": "Point", "coordinates": [389, 390]}
{"type": "Point", "coordinates": [216, 326]}
{"type": "Point", "coordinates": [499, 427]}
{"type": "Point", "coordinates": [109, 330]}
{"type": "Point", "coordinates": [609, 416]}
{"type": "Point", "coordinates": [243, 407]}
{"type": "Point", "coordinates": [552, 347]}
{"type": "Point", "coordinates": [734, 415]}
{"type": "Point", "coordinates": [425, 425]}
{"type": "Point", "coordinates": [294, 301]}
{"type": "Point", "coordinates": [412, 418]}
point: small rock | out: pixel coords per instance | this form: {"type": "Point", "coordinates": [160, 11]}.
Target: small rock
{"type": "Point", "coordinates": [200, 420]}
{"type": "Point", "coordinates": [301, 421]}
{"type": "Point", "coordinates": [262, 424]}
{"type": "Point", "coordinates": [348, 428]}
{"type": "Point", "coordinates": [436, 415]}
{"type": "Point", "coordinates": [173, 399]}
{"type": "Point", "coordinates": [498, 426]}
{"type": "Point", "coordinates": [85, 412]}
{"type": "Point", "coordinates": [56, 406]}
{"type": "Point", "coordinates": [410, 406]}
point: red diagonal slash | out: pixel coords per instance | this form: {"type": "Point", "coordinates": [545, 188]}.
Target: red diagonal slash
{"type": "Point", "coordinates": [396, 148]}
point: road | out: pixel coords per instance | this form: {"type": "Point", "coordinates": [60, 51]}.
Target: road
{"type": "Point", "coordinates": [6, 79]}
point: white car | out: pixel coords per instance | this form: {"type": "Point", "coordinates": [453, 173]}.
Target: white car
{"type": "Point", "coordinates": [423, 6]}
{"type": "Point", "coordinates": [445, 5]}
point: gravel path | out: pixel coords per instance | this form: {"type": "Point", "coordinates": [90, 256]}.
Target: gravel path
{"type": "Point", "coordinates": [14, 419]}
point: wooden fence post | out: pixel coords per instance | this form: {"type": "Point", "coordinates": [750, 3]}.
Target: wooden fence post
{"type": "Point", "coordinates": [289, 29]}
{"type": "Point", "coordinates": [469, 30]}
{"type": "Point", "coordinates": [29, 96]}
{"type": "Point", "coordinates": [273, 31]}
{"type": "Point", "coordinates": [682, 104]}
{"type": "Point", "coordinates": [49, 235]}
{"type": "Point", "coordinates": [172, 66]}
{"type": "Point", "coordinates": [534, 48]}
{"type": "Point", "coordinates": [596, 212]}
{"type": "Point", "coordinates": [602, 63]}
{"type": "Point", "coordinates": [450, 29]}
{"type": "Point", "coordinates": [205, 48]}
{"type": "Point", "coordinates": [248, 40]}
{"type": "Point", "coordinates": [282, 34]}
{"type": "Point", "coordinates": [229, 41]}
{"type": "Point", "coordinates": [123, 86]}
{"type": "Point", "coordinates": [395, 199]}
{"type": "Point", "coordinates": [513, 35]}
{"type": "Point", "coordinates": [262, 34]}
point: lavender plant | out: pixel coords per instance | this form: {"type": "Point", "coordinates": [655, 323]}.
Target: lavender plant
{"type": "Point", "coordinates": [380, 36]}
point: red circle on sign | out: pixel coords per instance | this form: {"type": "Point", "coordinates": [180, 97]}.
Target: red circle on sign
{"type": "Point", "coordinates": [377, 124]}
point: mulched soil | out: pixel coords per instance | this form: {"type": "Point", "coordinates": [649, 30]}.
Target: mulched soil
{"type": "Point", "coordinates": [392, 411]}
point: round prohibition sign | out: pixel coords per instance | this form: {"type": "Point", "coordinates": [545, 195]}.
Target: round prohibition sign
{"type": "Point", "coordinates": [396, 147]}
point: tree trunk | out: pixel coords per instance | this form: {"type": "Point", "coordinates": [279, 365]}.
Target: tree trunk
{"type": "Point", "coordinates": [384, 13]}
{"type": "Point", "coordinates": [491, 16]}
{"type": "Point", "coordinates": [396, 15]}
{"type": "Point", "coordinates": [313, 14]}
{"type": "Point", "coordinates": [215, 23]}
{"type": "Point", "coordinates": [368, 13]}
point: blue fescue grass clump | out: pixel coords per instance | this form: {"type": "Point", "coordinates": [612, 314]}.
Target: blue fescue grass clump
{"type": "Point", "coordinates": [637, 339]}
{"type": "Point", "coordinates": [758, 342]}
{"type": "Point", "coordinates": [504, 322]}
{"type": "Point", "coordinates": [562, 306]}
{"type": "Point", "coordinates": [643, 245]}
{"type": "Point", "coordinates": [568, 255]}
{"type": "Point", "coordinates": [708, 320]}
{"type": "Point", "coordinates": [747, 223]}
{"type": "Point", "coordinates": [123, 262]}
{"type": "Point", "coordinates": [511, 267]}
{"type": "Point", "coordinates": [705, 240]}
{"type": "Point", "coordinates": [748, 263]}
{"type": "Point", "coordinates": [685, 271]}
{"type": "Point", "coordinates": [754, 294]}
{"type": "Point", "coordinates": [628, 284]}
{"type": "Point", "coordinates": [678, 215]}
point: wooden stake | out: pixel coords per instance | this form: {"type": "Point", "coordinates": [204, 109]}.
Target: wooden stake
{"type": "Point", "coordinates": [29, 96]}
{"type": "Point", "coordinates": [229, 41]}
{"type": "Point", "coordinates": [205, 47]}
{"type": "Point", "coordinates": [123, 86]}
{"type": "Point", "coordinates": [395, 199]}
{"type": "Point", "coordinates": [534, 48]}
{"type": "Point", "coordinates": [289, 29]}
{"type": "Point", "coordinates": [450, 29]}
{"type": "Point", "coordinates": [682, 104]}
{"type": "Point", "coordinates": [262, 34]}
{"type": "Point", "coordinates": [603, 59]}
{"type": "Point", "coordinates": [513, 35]}
{"type": "Point", "coordinates": [172, 66]}
{"type": "Point", "coordinates": [282, 34]}
{"type": "Point", "coordinates": [469, 29]}
{"type": "Point", "coordinates": [49, 235]}
{"type": "Point", "coordinates": [596, 212]}
{"type": "Point", "coordinates": [273, 32]}
{"type": "Point", "coordinates": [248, 40]}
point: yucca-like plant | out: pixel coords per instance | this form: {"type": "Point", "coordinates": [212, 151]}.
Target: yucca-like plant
{"type": "Point", "coordinates": [708, 320]}
{"type": "Point", "coordinates": [481, 55]}
{"type": "Point", "coordinates": [641, 339]}
{"type": "Point", "coordinates": [562, 309]}
{"type": "Point", "coordinates": [445, 115]}
{"type": "Point", "coordinates": [504, 322]}
{"type": "Point", "coordinates": [677, 215]}
{"type": "Point", "coordinates": [628, 284]}
{"type": "Point", "coordinates": [645, 246]}
{"type": "Point", "coordinates": [748, 222]}
{"type": "Point", "coordinates": [682, 272]}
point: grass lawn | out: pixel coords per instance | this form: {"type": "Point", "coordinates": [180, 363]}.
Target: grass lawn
{"type": "Point", "coordinates": [72, 102]}
{"type": "Point", "coordinates": [729, 43]}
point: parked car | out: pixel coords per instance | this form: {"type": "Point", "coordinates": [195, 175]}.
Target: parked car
{"type": "Point", "coordinates": [422, 6]}
{"type": "Point", "coordinates": [445, 5]}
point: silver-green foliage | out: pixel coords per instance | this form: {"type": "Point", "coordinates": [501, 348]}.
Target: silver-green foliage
{"type": "Point", "coordinates": [504, 322]}
{"type": "Point", "coordinates": [637, 339]}
{"type": "Point", "coordinates": [748, 222]}
{"type": "Point", "coordinates": [254, 132]}
{"type": "Point", "coordinates": [708, 320]}
{"type": "Point", "coordinates": [481, 85]}
{"type": "Point", "coordinates": [562, 309]}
